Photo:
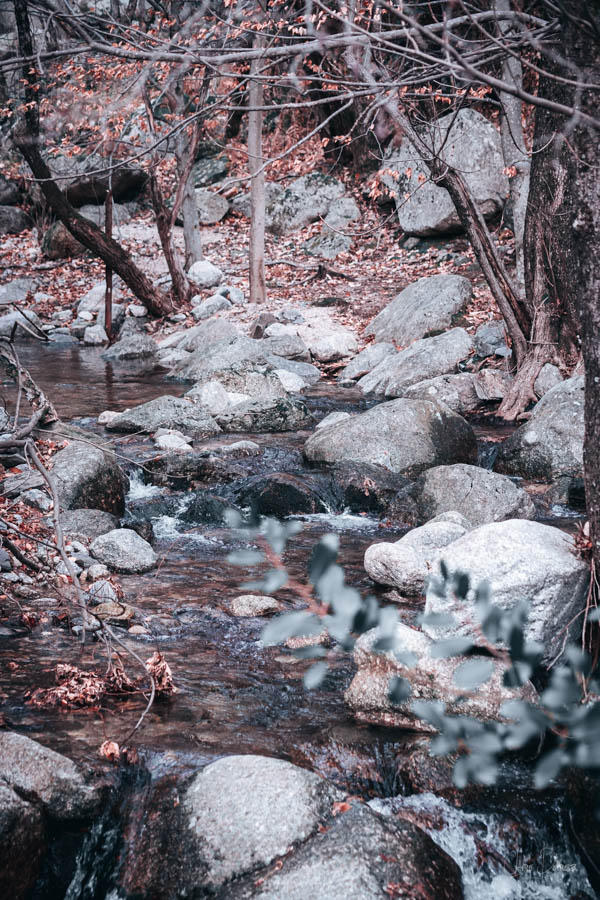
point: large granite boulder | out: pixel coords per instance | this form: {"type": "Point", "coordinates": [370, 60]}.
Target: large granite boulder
{"type": "Point", "coordinates": [365, 361]}
{"type": "Point", "coordinates": [123, 550]}
{"type": "Point", "coordinates": [521, 560]}
{"type": "Point", "coordinates": [424, 308]}
{"type": "Point", "coordinates": [212, 207]}
{"type": "Point", "coordinates": [459, 391]}
{"type": "Point", "coordinates": [14, 220]}
{"type": "Point", "coordinates": [267, 415]}
{"type": "Point", "coordinates": [404, 436]}
{"type": "Point", "coordinates": [166, 412]}
{"type": "Point", "coordinates": [425, 359]}
{"type": "Point", "coordinates": [550, 444]}
{"type": "Point", "coordinates": [84, 182]}
{"type": "Point", "coordinates": [466, 141]}
{"type": "Point", "coordinates": [302, 201]}
{"type": "Point", "coordinates": [89, 477]}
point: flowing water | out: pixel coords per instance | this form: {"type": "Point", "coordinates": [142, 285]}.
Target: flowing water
{"type": "Point", "coordinates": [234, 695]}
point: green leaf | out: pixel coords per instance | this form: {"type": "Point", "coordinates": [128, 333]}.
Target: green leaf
{"type": "Point", "coordinates": [472, 673]}
{"type": "Point", "coordinates": [399, 690]}
{"type": "Point", "coordinates": [314, 676]}
{"type": "Point", "coordinates": [288, 625]}
{"type": "Point", "coordinates": [454, 646]}
{"type": "Point", "coordinates": [548, 768]}
{"type": "Point", "coordinates": [245, 558]}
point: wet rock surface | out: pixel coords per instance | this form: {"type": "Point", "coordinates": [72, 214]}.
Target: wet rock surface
{"type": "Point", "coordinates": [90, 478]}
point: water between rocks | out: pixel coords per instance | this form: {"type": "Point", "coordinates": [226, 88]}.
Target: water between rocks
{"type": "Point", "coordinates": [236, 697]}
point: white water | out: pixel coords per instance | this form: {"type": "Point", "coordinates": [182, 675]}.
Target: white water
{"type": "Point", "coordinates": [138, 490]}
{"type": "Point", "coordinates": [555, 874]}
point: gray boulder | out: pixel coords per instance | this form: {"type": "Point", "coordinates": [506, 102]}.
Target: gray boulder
{"type": "Point", "coordinates": [21, 844]}
{"type": "Point", "coordinates": [134, 346]}
{"type": "Point", "coordinates": [10, 193]}
{"type": "Point", "coordinates": [93, 300]}
{"type": "Point", "coordinates": [207, 308]}
{"type": "Point", "coordinates": [18, 321]}
{"type": "Point", "coordinates": [258, 382]}
{"type": "Point", "coordinates": [59, 243]}
{"type": "Point", "coordinates": [304, 200]}
{"type": "Point", "coordinates": [430, 679]}
{"type": "Point", "coordinates": [209, 171]}
{"type": "Point", "coordinates": [245, 811]}
{"type": "Point", "coordinates": [404, 436]}
{"type": "Point", "coordinates": [205, 274]}
{"type": "Point", "coordinates": [90, 478]}
{"type": "Point", "coordinates": [480, 495]}
{"type": "Point", "coordinates": [212, 207]}
{"type": "Point", "coordinates": [406, 564]}
{"type": "Point", "coordinates": [473, 147]}
{"type": "Point", "coordinates": [459, 391]}
{"type": "Point", "coordinates": [16, 290]}
{"type": "Point", "coordinates": [206, 338]}
{"type": "Point", "coordinates": [290, 346]}
{"type": "Point", "coordinates": [550, 444]}
{"type": "Point", "coordinates": [424, 359]}
{"type": "Point", "coordinates": [548, 378]}
{"type": "Point", "coordinates": [328, 244]}
{"type": "Point", "coordinates": [48, 779]}
{"type": "Point", "coordinates": [166, 412]}
{"type": "Point", "coordinates": [490, 339]}
{"type": "Point", "coordinates": [88, 181]}
{"type": "Point", "coordinates": [365, 361]}
{"type": "Point", "coordinates": [97, 214]}
{"type": "Point", "coordinates": [95, 336]}
{"type": "Point", "coordinates": [425, 307]}
{"type": "Point", "coordinates": [268, 415]}
{"type": "Point", "coordinates": [14, 220]}
{"type": "Point", "coordinates": [86, 524]}
{"type": "Point", "coordinates": [521, 560]}
{"type": "Point", "coordinates": [123, 550]}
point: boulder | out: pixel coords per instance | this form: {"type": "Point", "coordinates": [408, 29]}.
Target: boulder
{"type": "Point", "coordinates": [521, 560]}
{"type": "Point", "coordinates": [10, 193]}
{"type": "Point", "coordinates": [425, 307]}
{"type": "Point", "coordinates": [268, 415]}
{"type": "Point", "coordinates": [171, 439]}
{"type": "Point", "coordinates": [333, 418]}
{"type": "Point", "coordinates": [49, 780]}
{"type": "Point", "coordinates": [473, 147]}
{"type": "Point", "coordinates": [459, 391]}
{"type": "Point", "coordinates": [207, 308]}
{"type": "Point", "coordinates": [134, 346]}
{"type": "Point", "coordinates": [86, 524]}
{"type": "Point", "coordinates": [207, 509]}
{"type": "Point", "coordinates": [478, 494]}
{"type": "Point", "coordinates": [430, 679]}
{"type": "Point", "coordinates": [254, 380]}
{"type": "Point", "coordinates": [404, 436]}
{"type": "Point", "coordinates": [212, 207]}
{"type": "Point", "coordinates": [328, 244]}
{"type": "Point", "coordinates": [16, 319]}
{"type": "Point", "coordinates": [302, 201]}
{"type": "Point", "coordinates": [93, 300]}
{"type": "Point", "coordinates": [292, 383]}
{"type": "Point", "coordinates": [95, 336]}
{"type": "Point", "coordinates": [166, 412]}
{"type": "Point", "coordinates": [371, 489]}
{"type": "Point", "coordinates": [90, 478]}
{"type": "Point", "coordinates": [361, 856]}
{"type": "Point", "coordinates": [365, 361]}
{"type": "Point", "coordinates": [209, 171]}
{"type": "Point", "coordinates": [205, 274]}
{"type": "Point", "coordinates": [247, 605]}
{"type": "Point", "coordinates": [97, 214]}
{"type": "Point", "coordinates": [280, 494]}
{"type": "Point", "coordinates": [326, 338]}
{"type": "Point", "coordinates": [85, 183]}
{"type": "Point", "coordinates": [206, 338]}
{"type": "Point", "coordinates": [550, 444]}
{"type": "Point", "coordinates": [425, 359]}
{"type": "Point", "coordinates": [14, 220]}
{"type": "Point", "coordinates": [490, 340]}
{"type": "Point", "coordinates": [123, 550]}
{"type": "Point", "coordinates": [406, 564]}
{"type": "Point", "coordinates": [290, 346]}
{"type": "Point", "coordinates": [16, 290]}
{"type": "Point", "coordinates": [548, 378]}
{"type": "Point", "coordinates": [21, 844]}
{"type": "Point", "coordinates": [59, 243]}
{"type": "Point", "coordinates": [245, 811]}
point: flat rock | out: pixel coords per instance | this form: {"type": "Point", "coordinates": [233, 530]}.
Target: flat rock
{"type": "Point", "coordinates": [123, 550]}
{"type": "Point", "coordinates": [550, 444]}
{"type": "Point", "coordinates": [404, 436]}
{"type": "Point", "coordinates": [521, 560]}
{"type": "Point", "coordinates": [425, 307]}
{"type": "Point", "coordinates": [478, 494]}
{"type": "Point", "coordinates": [166, 412]}
{"type": "Point", "coordinates": [426, 358]}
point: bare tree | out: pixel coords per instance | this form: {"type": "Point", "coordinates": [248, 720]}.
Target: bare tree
{"type": "Point", "coordinates": [257, 183]}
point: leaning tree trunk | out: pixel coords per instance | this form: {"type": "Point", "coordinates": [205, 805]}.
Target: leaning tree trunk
{"type": "Point", "coordinates": [27, 140]}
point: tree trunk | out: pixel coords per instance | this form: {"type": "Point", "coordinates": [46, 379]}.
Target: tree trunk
{"type": "Point", "coordinates": [182, 287]}
{"type": "Point", "coordinates": [189, 209]}
{"type": "Point", "coordinates": [26, 139]}
{"type": "Point", "coordinates": [257, 185]}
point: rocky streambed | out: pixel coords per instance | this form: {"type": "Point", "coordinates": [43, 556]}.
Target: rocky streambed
{"type": "Point", "coordinates": [243, 784]}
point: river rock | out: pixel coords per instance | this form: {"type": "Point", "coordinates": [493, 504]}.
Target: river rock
{"type": "Point", "coordinates": [247, 605]}
{"type": "Point", "coordinates": [171, 439]}
{"type": "Point", "coordinates": [268, 415]}
{"type": "Point", "coordinates": [360, 856]}
{"type": "Point", "coordinates": [548, 378]}
{"type": "Point", "coordinates": [426, 358]}
{"type": "Point", "coordinates": [21, 844]}
{"type": "Point", "coordinates": [48, 779]}
{"type": "Point", "coordinates": [521, 560]}
{"type": "Point", "coordinates": [93, 300]}
{"type": "Point", "coordinates": [430, 679]}
{"type": "Point", "coordinates": [291, 382]}
{"type": "Point", "coordinates": [95, 335]}
{"type": "Point", "coordinates": [213, 395]}
{"type": "Point", "coordinates": [404, 436]}
{"type": "Point", "coordinates": [425, 307]}
{"type": "Point", "coordinates": [207, 308]}
{"type": "Point", "coordinates": [459, 391]}
{"type": "Point", "coordinates": [216, 360]}
{"type": "Point", "coordinates": [333, 418]}
{"type": "Point", "coordinates": [245, 811]}
{"type": "Point", "coordinates": [86, 524]}
{"type": "Point", "coordinates": [212, 207]}
{"type": "Point", "coordinates": [326, 338]}
{"type": "Point", "coordinates": [407, 563]}
{"type": "Point", "coordinates": [18, 321]}
{"type": "Point", "coordinates": [123, 550]}
{"type": "Point", "coordinates": [366, 360]}
{"type": "Point", "coordinates": [280, 494]}
{"type": "Point", "coordinates": [255, 380]}
{"type": "Point", "coordinates": [290, 346]}
{"type": "Point", "coordinates": [473, 147]}
{"type": "Point", "coordinates": [207, 509]}
{"type": "Point", "coordinates": [14, 220]}
{"type": "Point", "coordinates": [490, 339]}
{"type": "Point", "coordinates": [166, 412]}
{"type": "Point", "coordinates": [478, 494]}
{"type": "Point", "coordinates": [550, 444]}
{"type": "Point", "coordinates": [134, 346]}
{"type": "Point", "coordinates": [88, 477]}
{"type": "Point", "coordinates": [371, 489]}
{"type": "Point", "coordinates": [306, 371]}
{"type": "Point", "coordinates": [205, 274]}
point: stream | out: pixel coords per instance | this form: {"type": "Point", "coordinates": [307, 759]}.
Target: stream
{"type": "Point", "coordinates": [235, 696]}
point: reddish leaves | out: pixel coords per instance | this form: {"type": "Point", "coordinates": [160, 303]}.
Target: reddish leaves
{"type": "Point", "coordinates": [160, 671]}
